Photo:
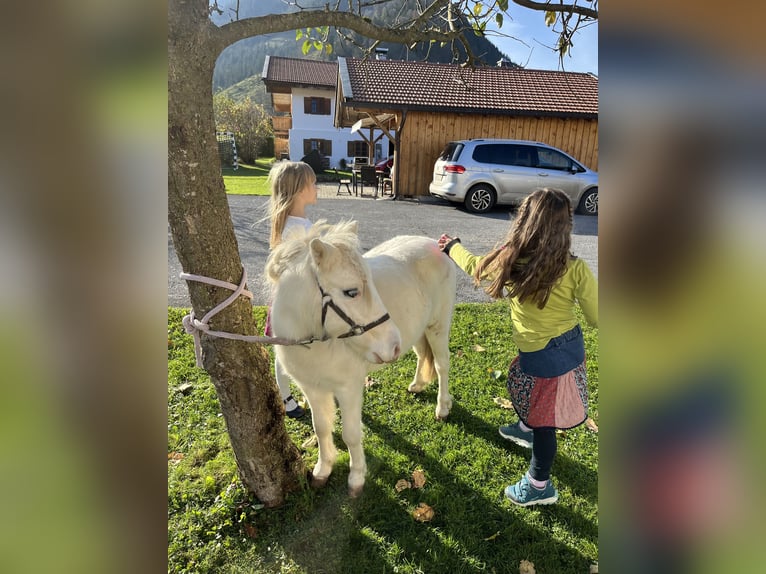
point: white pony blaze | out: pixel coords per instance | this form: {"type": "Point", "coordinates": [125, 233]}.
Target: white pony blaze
{"type": "Point", "coordinates": [369, 309]}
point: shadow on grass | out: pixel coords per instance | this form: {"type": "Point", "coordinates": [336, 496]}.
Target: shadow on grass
{"type": "Point", "coordinates": [376, 533]}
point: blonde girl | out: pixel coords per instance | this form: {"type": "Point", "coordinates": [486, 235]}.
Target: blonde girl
{"type": "Point", "coordinates": [293, 187]}
{"type": "Point", "coordinates": [534, 269]}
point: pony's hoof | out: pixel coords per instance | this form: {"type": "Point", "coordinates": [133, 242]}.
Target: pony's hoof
{"type": "Point", "coordinates": [442, 415]}
{"type": "Point", "coordinates": [355, 491]}
{"type": "Point", "coordinates": [317, 482]}
{"type": "Point", "coordinates": [416, 387]}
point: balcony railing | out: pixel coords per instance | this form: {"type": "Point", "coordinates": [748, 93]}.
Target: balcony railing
{"type": "Point", "coordinates": [282, 123]}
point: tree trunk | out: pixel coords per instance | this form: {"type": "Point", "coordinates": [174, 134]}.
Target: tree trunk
{"type": "Point", "coordinates": [270, 465]}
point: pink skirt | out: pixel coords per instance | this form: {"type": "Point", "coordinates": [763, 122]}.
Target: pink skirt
{"type": "Point", "coordinates": [559, 402]}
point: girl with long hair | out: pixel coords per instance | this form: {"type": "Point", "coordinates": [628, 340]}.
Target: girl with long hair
{"type": "Point", "coordinates": [547, 382]}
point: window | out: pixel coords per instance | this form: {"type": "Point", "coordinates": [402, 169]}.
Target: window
{"type": "Point", "coordinates": [357, 149]}
{"type": "Point", "coordinates": [451, 151]}
{"type": "Point", "coordinates": [317, 106]}
{"type": "Point", "coordinates": [324, 147]}
{"type": "Point", "coordinates": [551, 159]}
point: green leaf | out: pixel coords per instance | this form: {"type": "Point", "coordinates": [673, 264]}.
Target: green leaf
{"type": "Point", "coordinates": [499, 20]}
{"type": "Point", "coordinates": [477, 8]}
{"type": "Point", "coordinates": [502, 4]}
{"type": "Point", "coordinates": [298, 34]}
{"type": "Point", "coordinates": [306, 47]}
{"type": "Point", "coordinates": [550, 18]}
{"type": "Point", "coordinates": [318, 45]}
{"type": "Point", "coordinates": [328, 48]}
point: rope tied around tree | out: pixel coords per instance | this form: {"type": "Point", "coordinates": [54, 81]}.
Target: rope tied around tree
{"type": "Point", "coordinates": [195, 327]}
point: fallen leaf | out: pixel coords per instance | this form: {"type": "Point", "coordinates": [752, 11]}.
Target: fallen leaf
{"type": "Point", "coordinates": [185, 388]}
{"type": "Point", "coordinates": [309, 442]}
{"type": "Point", "coordinates": [498, 375]}
{"type": "Point", "coordinates": [170, 343]}
{"type": "Point", "coordinates": [418, 479]}
{"type": "Point", "coordinates": [475, 333]}
{"type": "Point", "coordinates": [591, 425]}
{"type": "Point", "coordinates": [459, 353]}
{"type": "Point", "coordinates": [423, 513]}
{"type": "Point", "coordinates": [250, 530]}
{"type": "Point", "coordinates": [495, 535]}
{"type": "Point", "coordinates": [594, 568]}
{"type": "Point", "coordinates": [175, 456]}
{"type": "Point", "coordinates": [560, 432]}
{"type": "Point", "coordinates": [526, 567]}
{"type": "Point", "coordinates": [402, 484]}
{"type": "Point", "coordinates": [368, 382]}
{"type": "Point", "coordinates": [479, 348]}
{"type": "Point", "coordinates": [503, 403]}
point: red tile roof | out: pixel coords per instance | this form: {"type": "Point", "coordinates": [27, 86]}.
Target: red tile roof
{"type": "Point", "coordinates": [300, 72]}
{"type": "Point", "coordinates": [440, 87]}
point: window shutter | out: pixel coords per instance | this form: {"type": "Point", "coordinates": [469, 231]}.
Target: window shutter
{"type": "Point", "coordinates": [327, 147]}
{"type": "Point", "coordinates": [350, 149]}
{"type": "Point", "coordinates": [327, 107]}
{"type": "Point", "coordinates": [306, 105]}
{"type": "Point", "coordinates": [306, 147]}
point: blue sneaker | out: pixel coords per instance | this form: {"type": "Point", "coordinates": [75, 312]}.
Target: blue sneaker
{"type": "Point", "coordinates": [524, 494]}
{"type": "Point", "coordinates": [514, 433]}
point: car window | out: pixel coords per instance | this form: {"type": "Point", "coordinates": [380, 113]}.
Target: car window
{"type": "Point", "coordinates": [451, 151]}
{"type": "Point", "coordinates": [505, 154]}
{"type": "Point", "coordinates": [551, 159]}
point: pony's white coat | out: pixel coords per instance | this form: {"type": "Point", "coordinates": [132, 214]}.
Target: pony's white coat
{"type": "Point", "coordinates": [407, 276]}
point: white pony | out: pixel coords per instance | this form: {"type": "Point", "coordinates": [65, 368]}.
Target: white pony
{"type": "Point", "coordinates": [362, 311]}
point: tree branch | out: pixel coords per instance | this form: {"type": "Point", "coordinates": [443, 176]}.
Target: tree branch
{"type": "Point", "coordinates": [566, 8]}
{"type": "Point", "coordinates": [241, 29]}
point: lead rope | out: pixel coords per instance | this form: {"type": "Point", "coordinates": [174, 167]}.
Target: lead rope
{"type": "Point", "coordinates": [195, 327]}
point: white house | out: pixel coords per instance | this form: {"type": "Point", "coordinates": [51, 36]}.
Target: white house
{"type": "Point", "coordinates": [303, 97]}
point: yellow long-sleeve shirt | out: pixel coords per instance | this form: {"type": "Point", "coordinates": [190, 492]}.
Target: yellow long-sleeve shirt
{"type": "Point", "coordinates": [534, 327]}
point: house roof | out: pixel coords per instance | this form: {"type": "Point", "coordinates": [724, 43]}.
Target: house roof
{"type": "Point", "coordinates": [392, 84]}
{"type": "Point", "coordinates": [297, 72]}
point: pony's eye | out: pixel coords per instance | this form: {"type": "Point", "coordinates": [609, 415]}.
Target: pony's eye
{"type": "Point", "coordinates": [351, 293]}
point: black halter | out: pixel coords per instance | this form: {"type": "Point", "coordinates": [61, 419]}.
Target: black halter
{"type": "Point", "coordinates": [355, 329]}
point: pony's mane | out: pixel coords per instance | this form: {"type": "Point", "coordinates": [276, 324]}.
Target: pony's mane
{"type": "Point", "coordinates": [293, 252]}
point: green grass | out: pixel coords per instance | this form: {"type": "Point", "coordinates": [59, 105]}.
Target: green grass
{"type": "Point", "coordinates": [248, 179]}
{"type": "Point", "coordinates": [251, 179]}
{"type": "Point", "coordinates": [466, 463]}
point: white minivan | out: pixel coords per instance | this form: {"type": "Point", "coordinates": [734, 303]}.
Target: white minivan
{"type": "Point", "coordinates": [482, 173]}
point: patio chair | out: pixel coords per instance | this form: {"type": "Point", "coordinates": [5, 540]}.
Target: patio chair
{"type": "Point", "coordinates": [368, 176]}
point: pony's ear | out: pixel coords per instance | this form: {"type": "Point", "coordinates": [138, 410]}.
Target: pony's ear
{"type": "Point", "coordinates": [321, 252]}
{"type": "Point", "coordinates": [353, 227]}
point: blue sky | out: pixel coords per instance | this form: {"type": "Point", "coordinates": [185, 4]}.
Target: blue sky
{"type": "Point", "coordinates": [529, 26]}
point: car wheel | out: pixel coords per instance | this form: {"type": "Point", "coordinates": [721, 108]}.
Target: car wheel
{"type": "Point", "coordinates": [480, 199]}
{"type": "Point", "coordinates": [589, 202]}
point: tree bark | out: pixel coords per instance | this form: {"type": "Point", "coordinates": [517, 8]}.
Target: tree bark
{"type": "Point", "coordinates": [269, 463]}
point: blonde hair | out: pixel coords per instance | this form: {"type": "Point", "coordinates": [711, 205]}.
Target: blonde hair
{"type": "Point", "coordinates": [535, 253]}
{"type": "Point", "coordinates": [286, 180]}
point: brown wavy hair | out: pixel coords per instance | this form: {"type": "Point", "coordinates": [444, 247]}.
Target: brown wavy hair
{"type": "Point", "coordinates": [535, 253]}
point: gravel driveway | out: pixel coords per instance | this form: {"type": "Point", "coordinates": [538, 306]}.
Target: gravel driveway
{"type": "Point", "coordinates": [379, 220]}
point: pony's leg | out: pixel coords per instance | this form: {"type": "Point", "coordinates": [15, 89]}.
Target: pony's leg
{"type": "Point", "coordinates": [438, 339]}
{"type": "Point", "coordinates": [423, 371]}
{"type": "Point", "coordinates": [350, 400]}
{"type": "Point", "coordinates": [323, 417]}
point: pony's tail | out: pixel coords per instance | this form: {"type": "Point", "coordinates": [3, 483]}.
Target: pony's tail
{"type": "Point", "coordinates": [428, 369]}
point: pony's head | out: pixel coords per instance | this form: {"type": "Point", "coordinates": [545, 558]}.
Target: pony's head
{"type": "Point", "coordinates": [330, 276]}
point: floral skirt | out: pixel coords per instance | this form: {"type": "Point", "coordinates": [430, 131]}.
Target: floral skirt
{"type": "Point", "coordinates": [560, 402]}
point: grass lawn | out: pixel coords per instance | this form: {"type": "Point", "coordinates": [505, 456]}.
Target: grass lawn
{"type": "Point", "coordinates": [251, 179]}
{"type": "Point", "coordinates": [213, 526]}
{"type": "Point", "coordinates": [248, 179]}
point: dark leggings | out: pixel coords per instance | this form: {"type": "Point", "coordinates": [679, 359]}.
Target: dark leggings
{"type": "Point", "coordinates": [543, 451]}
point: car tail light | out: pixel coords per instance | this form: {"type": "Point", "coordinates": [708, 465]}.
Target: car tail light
{"type": "Point", "coordinates": [454, 169]}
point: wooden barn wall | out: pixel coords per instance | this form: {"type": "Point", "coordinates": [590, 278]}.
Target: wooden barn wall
{"type": "Point", "coordinates": [425, 134]}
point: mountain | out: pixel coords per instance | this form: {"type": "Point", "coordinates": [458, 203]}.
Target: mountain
{"type": "Point", "coordinates": [245, 59]}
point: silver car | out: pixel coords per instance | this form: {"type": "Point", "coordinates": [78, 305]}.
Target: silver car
{"type": "Point", "coordinates": [484, 172]}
